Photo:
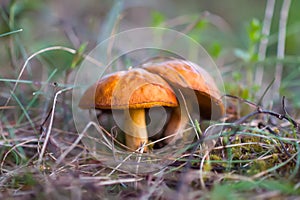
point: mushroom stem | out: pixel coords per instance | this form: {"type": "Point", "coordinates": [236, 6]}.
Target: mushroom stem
{"type": "Point", "coordinates": [135, 128]}
{"type": "Point", "coordinates": [176, 125]}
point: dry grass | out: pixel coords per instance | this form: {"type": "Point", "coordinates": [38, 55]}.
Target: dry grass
{"type": "Point", "coordinates": [42, 157]}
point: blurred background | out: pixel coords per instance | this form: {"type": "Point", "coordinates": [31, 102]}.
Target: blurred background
{"type": "Point", "coordinates": [229, 30]}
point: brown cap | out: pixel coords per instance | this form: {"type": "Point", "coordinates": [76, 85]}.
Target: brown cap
{"type": "Point", "coordinates": [184, 74]}
{"type": "Point", "coordinates": [135, 88]}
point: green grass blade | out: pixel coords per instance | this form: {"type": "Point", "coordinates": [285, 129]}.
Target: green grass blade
{"type": "Point", "coordinates": [11, 32]}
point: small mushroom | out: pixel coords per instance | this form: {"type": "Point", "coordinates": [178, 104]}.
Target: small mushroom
{"type": "Point", "coordinates": [188, 77]}
{"type": "Point", "coordinates": [131, 91]}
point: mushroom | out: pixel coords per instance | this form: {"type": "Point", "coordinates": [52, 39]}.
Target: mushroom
{"type": "Point", "coordinates": [188, 77]}
{"type": "Point", "coordinates": [131, 91]}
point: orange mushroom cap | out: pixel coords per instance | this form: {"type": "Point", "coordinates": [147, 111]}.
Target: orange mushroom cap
{"type": "Point", "coordinates": [183, 74]}
{"type": "Point", "coordinates": [135, 88]}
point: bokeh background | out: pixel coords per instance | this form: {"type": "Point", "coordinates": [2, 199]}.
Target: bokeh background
{"type": "Point", "coordinates": [228, 30]}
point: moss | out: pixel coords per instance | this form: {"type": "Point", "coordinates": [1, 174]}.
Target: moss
{"type": "Point", "coordinates": [215, 157]}
{"type": "Point", "coordinates": [257, 166]}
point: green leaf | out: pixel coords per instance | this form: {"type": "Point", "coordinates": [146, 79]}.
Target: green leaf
{"type": "Point", "coordinates": [11, 32]}
{"type": "Point", "coordinates": [157, 18]}
{"type": "Point", "coordinates": [78, 56]}
{"type": "Point", "coordinates": [202, 24]}
{"type": "Point", "coordinates": [245, 93]}
{"type": "Point", "coordinates": [254, 31]}
{"type": "Point", "coordinates": [237, 76]}
{"type": "Point", "coordinates": [215, 49]}
{"type": "Point", "coordinates": [254, 57]}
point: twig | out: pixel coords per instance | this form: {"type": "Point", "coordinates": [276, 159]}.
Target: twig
{"type": "Point", "coordinates": [259, 102]}
{"type": "Point", "coordinates": [206, 156]}
{"type": "Point", "coordinates": [272, 113]}
{"type": "Point", "coordinates": [119, 181]}
{"type": "Point", "coordinates": [241, 99]}
{"type": "Point", "coordinates": [50, 125]}
{"type": "Point", "coordinates": [48, 115]}
{"type": "Point", "coordinates": [45, 120]}
{"type": "Point", "coordinates": [284, 108]}
{"type": "Point", "coordinates": [260, 110]}
{"type": "Point", "coordinates": [274, 133]}
{"type": "Point", "coordinates": [7, 107]}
